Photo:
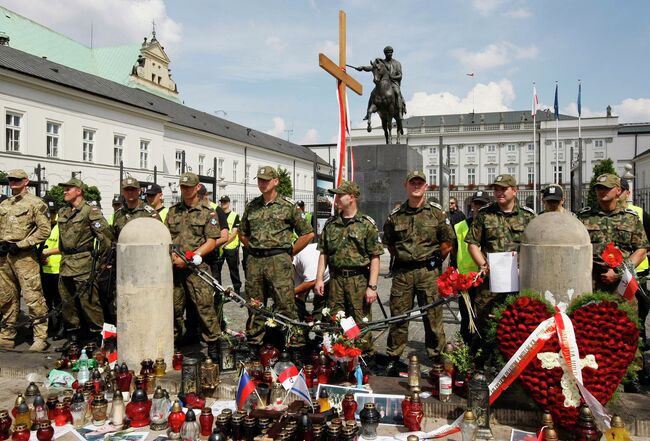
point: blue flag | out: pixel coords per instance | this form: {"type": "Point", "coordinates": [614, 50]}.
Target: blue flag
{"type": "Point", "coordinates": [579, 99]}
{"type": "Point", "coordinates": [556, 106]}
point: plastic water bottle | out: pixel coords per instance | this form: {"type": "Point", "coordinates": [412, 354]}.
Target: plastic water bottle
{"type": "Point", "coordinates": [84, 373]}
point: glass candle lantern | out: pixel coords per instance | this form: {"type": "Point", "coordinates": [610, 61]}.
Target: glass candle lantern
{"type": "Point", "coordinates": [30, 393]}
{"type": "Point", "coordinates": [146, 367]}
{"type": "Point", "coordinates": [349, 406]}
{"type": "Point", "coordinates": [177, 361]}
{"type": "Point", "coordinates": [20, 399]}
{"type": "Point", "coordinates": [5, 425]}
{"type": "Point", "coordinates": [414, 371]}
{"type": "Point", "coordinates": [60, 415]}
{"type": "Point", "coordinates": [190, 429]}
{"type": "Point", "coordinates": [190, 377]}
{"type": "Point", "coordinates": [175, 420]}
{"type": "Point", "coordinates": [205, 421]}
{"type": "Point", "coordinates": [51, 405]}
{"type": "Point", "coordinates": [209, 378]}
{"type": "Point", "coordinates": [20, 433]}
{"type": "Point", "coordinates": [23, 415]}
{"type": "Point", "coordinates": [40, 410]}
{"type": "Point", "coordinates": [45, 431]}
{"type": "Point", "coordinates": [118, 411]}
{"type": "Point", "coordinates": [98, 409]}
{"type": "Point", "coordinates": [479, 402]}
{"type": "Point", "coordinates": [369, 418]}
{"type": "Point", "coordinates": [138, 409]}
{"type": "Point", "coordinates": [159, 410]}
{"type": "Point", "coordinates": [78, 410]}
{"type": "Point", "coordinates": [160, 367]}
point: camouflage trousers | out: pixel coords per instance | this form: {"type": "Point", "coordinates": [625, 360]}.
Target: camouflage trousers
{"type": "Point", "coordinates": [86, 305]}
{"type": "Point", "coordinates": [190, 287]}
{"type": "Point", "coordinates": [20, 274]}
{"type": "Point", "coordinates": [348, 294]}
{"type": "Point", "coordinates": [271, 277]}
{"type": "Point", "coordinates": [408, 285]}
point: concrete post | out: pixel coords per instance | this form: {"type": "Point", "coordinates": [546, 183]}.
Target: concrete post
{"type": "Point", "coordinates": [145, 312]}
{"type": "Point", "coordinates": [556, 255]}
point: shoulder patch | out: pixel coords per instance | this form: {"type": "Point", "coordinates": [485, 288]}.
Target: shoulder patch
{"type": "Point", "coordinates": [528, 209]}
{"type": "Point", "coordinates": [629, 210]}
{"type": "Point", "coordinates": [369, 219]}
{"type": "Point", "coordinates": [288, 199]}
{"type": "Point", "coordinates": [395, 210]}
{"type": "Point", "coordinates": [585, 210]}
{"type": "Point", "coordinates": [149, 208]}
{"type": "Point", "coordinates": [436, 205]}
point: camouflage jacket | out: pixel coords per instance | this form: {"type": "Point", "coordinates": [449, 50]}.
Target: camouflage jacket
{"type": "Point", "coordinates": [272, 225]}
{"type": "Point", "coordinates": [78, 229]}
{"type": "Point", "coordinates": [350, 244]}
{"type": "Point", "coordinates": [416, 234]}
{"type": "Point", "coordinates": [621, 226]}
{"type": "Point", "coordinates": [24, 220]}
{"type": "Point", "coordinates": [495, 231]}
{"type": "Point", "coordinates": [125, 215]}
{"type": "Point", "coordinates": [191, 227]}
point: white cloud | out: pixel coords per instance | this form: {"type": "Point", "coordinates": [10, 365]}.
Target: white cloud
{"type": "Point", "coordinates": [275, 43]}
{"type": "Point", "coordinates": [572, 109]}
{"type": "Point", "coordinates": [486, 7]}
{"type": "Point", "coordinates": [491, 97]}
{"type": "Point", "coordinates": [279, 126]}
{"type": "Point", "coordinates": [114, 23]}
{"type": "Point", "coordinates": [633, 110]}
{"type": "Point", "coordinates": [518, 13]}
{"type": "Point", "coordinates": [494, 55]}
{"type": "Point", "coordinates": [310, 137]}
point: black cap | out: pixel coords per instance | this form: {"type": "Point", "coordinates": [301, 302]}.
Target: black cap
{"type": "Point", "coordinates": [51, 204]}
{"type": "Point", "coordinates": [202, 190]}
{"type": "Point", "coordinates": [153, 189]}
{"type": "Point", "coordinates": [481, 196]}
{"type": "Point", "coordinates": [301, 204]}
{"type": "Point", "coordinates": [552, 193]}
{"type": "Point", "coordinates": [117, 199]}
{"type": "Point", "coordinates": [625, 184]}
{"type": "Point", "coordinates": [224, 198]}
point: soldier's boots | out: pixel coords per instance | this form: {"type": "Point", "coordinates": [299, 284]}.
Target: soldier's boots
{"type": "Point", "coordinates": [213, 351]}
{"type": "Point", "coordinates": [39, 345]}
{"type": "Point", "coordinates": [5, 343]}
{"type": "Point", "coordinates": [395, 366]}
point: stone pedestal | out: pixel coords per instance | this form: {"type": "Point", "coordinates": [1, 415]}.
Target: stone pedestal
{"type": "Point", "coordinates": [145, 313]}
{"type": "Point", "coordinates": [380, 171]}
{"type": "Point", "coordinates": [556, 255]}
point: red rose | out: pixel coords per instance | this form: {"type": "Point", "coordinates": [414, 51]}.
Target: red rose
{"type": "Point", "coordinates": [612, 256]}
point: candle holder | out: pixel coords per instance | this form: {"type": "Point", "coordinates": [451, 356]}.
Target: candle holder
{"type": "Point", "coordinates": [479, 402]}
{"type": "Point", "coordinates": [190, 377]}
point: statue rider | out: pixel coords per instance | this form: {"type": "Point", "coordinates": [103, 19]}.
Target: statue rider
{"type": "Point", "coordinates": [395, 71]}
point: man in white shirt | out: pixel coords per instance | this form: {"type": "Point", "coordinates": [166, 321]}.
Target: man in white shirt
{"type": "Point", "coordinates": [305, 265]}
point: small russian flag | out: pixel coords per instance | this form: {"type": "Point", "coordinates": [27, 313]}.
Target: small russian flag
{"type": "Point", "coordinates": [245, 387]}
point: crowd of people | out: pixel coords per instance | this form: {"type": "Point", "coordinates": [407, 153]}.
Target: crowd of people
{"type": "Point", "coordinates": [56, 257]}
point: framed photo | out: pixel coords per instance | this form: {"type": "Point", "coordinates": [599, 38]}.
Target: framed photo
{"type": "Point", "coordinates": [337, 393]}
{"type": "Point", "coordinates": [388, 406]}
{"type": "Point", "coordinates": [520, 435]}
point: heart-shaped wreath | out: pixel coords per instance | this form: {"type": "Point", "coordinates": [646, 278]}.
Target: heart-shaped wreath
{"type": "Point", "coordinates": [607, 337]}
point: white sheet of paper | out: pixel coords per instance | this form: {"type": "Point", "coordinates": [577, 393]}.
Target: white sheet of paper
{"type": "Point", "coordinates": [504, 273]}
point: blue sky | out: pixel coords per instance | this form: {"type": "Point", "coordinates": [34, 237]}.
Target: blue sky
{"type": "Point", "coordinates": [257, 61]}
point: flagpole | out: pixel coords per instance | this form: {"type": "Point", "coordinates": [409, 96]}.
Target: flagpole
{"type": "Point", "coordinates": [289, 391]}
{"type": "Point", "coordinates": [557, 137]}
{"type": "Point", "coordinates": [579, 142]}
{"type": "Point", "coordinates": [534, 110]}
{"type": "Point", "coordinates": [241, 373]}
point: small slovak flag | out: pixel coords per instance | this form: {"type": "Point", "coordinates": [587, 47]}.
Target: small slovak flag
{"type": "Point", "coordinates": [628, 286]}
{"type": "Point", "coordinates": [350, 327]}
{"type": "Point", "coordinates": [288, 377]}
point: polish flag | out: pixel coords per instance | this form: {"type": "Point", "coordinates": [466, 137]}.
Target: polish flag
{"type": "Point", "coordinates": [628, 286]}
{"type": "Point", "coordinates": [288, 377]}
{"type": "Point", "coordinates": [350, 327]}
{"type": "Point", "coordinates": [535, 102]}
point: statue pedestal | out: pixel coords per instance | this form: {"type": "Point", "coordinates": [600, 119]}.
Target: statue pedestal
{"type": "Point", "coordinates": [380, 171]}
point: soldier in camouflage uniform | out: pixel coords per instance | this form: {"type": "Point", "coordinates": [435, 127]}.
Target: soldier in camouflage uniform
{"type": "Point", "coordinates": [194, 226]}
{"type": "Point", "coordinates": [24, 225]}
{"type": "Point", "coordinates": [80, 225]}
{"type": "Point", "coordinates": [266, 230]}
{"type": "Point", "coordinates": [498, 227]}
{"type": "Point", "coordinates": [350, 246]}
{"type": "Point", "coordinates": [133, 208]}
{"type": "Point", "coordinates": [419, 236]}
{"type": "Point", "coordinates": [611, 222]}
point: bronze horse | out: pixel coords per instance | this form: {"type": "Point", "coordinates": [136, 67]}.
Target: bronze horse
{"type": "Point", "coordinates": [385, 101]}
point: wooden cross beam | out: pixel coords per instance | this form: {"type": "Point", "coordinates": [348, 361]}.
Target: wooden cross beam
{"type": "Point", "coordinates": [338, 72]}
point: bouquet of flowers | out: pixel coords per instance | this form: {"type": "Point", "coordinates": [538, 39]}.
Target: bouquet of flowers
{"type": "Point", "coordinates": [451, 283]}
{"type": "Point", "coordinates": [339, 346]}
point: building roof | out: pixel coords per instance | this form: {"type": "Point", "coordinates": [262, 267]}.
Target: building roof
{"type": "Point", "coordinates": [112, 63]}
{"type": "Point", "coordinates": [634, 129]}
{"type": "Point", "coordinates": [481, 118]}
{"type": "Point", "coordinates": [17, 61]}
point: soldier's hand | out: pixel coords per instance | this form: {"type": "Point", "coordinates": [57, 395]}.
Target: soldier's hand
{"type": "Point", "coordinates": [178, 262]}
{"type": "Point", "coordinates": [610, 277]}
{"type": "Point", "coordinates": [319, 288]}
{"type": "Point", "coordinates": [371, 296]}
{"type": "Point", "coordinates": [485, 269]}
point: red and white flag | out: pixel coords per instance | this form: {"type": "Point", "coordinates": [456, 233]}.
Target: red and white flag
{"type": "Point", "coordinates": [628, 286]}
{"type": "Point", "coordinates": [535, 102]}
{"type": "Point", "coordinates": [109, 331]}
{"type": "Point", "coordinates": [350, 327]}
{"type": "Point", "coordinates": [288, 377]}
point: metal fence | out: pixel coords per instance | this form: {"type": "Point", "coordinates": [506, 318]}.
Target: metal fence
{"type": "Point", "coordinates": [642, 198]}
{"type": "Point", "coordinates": [238, 200]}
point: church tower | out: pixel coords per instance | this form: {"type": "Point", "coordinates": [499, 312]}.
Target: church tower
{"type": "Point", "coordinates": [152, 68]}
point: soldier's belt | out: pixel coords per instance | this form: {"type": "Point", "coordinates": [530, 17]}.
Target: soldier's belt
{"type": "Point", "coordinates": [431, 262]}
{"type": "Point", "coordinates": [258, 252]}
{"type": "Point", "coordinates": [66, 250]}
{"type": "Point", "coordinates": [348, 272]}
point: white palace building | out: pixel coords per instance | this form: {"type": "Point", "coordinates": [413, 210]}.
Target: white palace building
{"type": "Point", "coordinates": [75, 110]}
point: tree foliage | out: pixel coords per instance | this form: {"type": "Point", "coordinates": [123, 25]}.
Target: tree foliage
{"type": "Point", "coordinates": [604, 166]}
{"type": "Point", "coordinates": [91, 193]}
{"type": "Point", "coordinates": [284, 188]}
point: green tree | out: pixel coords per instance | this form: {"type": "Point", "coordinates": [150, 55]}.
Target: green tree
{"type": "Point", "coordinates": [284, 188]}
{"type": "Point", "coordinates": [91, 193]}
{"type": "Point", "coordinates": [604, 166]}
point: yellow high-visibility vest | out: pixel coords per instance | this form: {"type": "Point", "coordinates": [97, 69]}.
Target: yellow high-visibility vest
{"type": "Point", "coordinates": [54, 261]}
{"type": "Point", "coordinates": [644, 263]}
{"type": "Point", "coordinates": [231, 222]}
{"type": "Point", "coordinates": [464, 260]}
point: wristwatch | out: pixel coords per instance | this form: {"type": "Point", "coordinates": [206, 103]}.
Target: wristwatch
{"type": "Point", "coordinates": [373, 287]}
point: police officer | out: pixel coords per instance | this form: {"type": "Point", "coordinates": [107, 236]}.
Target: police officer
{"type": "Point", "coordinates": [553, 199]}
{"type": "Point", "coordinates": [498, 227]}
{"type": "Point", "coordinates": [611, 222]}
{"type": "Point", "coordinates": [266, 228]}
{"type": "Point", "coordinates": [81, 224]}
{"type": "Point", "coordinates": [350, 246]}
{"type": "Point", "coordinates": [194, 226]}
{"type": "Point", "coordinates": [24, 225]}
{"type": "Point", "coordinates": [50, 263]}
{"type": "Point", "coordinates": [230, 250]}
{"type": "Point", "coordinates": [133, 207]}
{"type": "Point", "coordinates": [154, 195]}
{"type": "Point", "coordinates": [419, 236]}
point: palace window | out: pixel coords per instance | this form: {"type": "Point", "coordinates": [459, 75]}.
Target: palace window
{"type": "Point", "coordinates": [52, 139]}
{"type": "Point", "coordinates": [13, 125]}
{"type": "Point", "coordinates": [144, 154]}
{"type": "Point", "coordinates": [88, 145]}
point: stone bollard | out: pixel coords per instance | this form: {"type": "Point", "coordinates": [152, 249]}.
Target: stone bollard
{"type": "Point", "coordinates": [145, 312]}
{"type": "Point", "coordinates": [556, 255]}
